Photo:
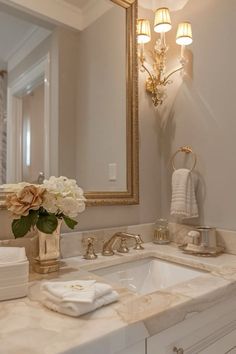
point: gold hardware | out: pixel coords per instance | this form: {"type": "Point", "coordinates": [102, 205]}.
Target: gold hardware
{"type": "Point", "coordinates": [123, 246]}
{"type": "Point", "coordinates": [187, 150]}
{"type": "Point", "coordinates": [108, 245]}
{"type": "Point", "coordinates": [178, 351]}
{"type": "Point", "coordinates": [157, 78]}
{"type": "Point", "coordinates": [90, 254]}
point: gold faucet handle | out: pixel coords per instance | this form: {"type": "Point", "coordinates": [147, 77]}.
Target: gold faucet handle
{"type": "Point", "coordinates": [138, 245]}
{"type": "Point", "coordinates": [90, 253]}
{"type": "Point", "coordinates": [123, 246]}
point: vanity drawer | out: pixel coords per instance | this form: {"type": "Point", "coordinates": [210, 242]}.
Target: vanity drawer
{"type": "Point", "coordinates": [210, 332]}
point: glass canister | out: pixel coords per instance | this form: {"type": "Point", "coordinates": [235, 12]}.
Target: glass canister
{"type": "Point", "coordinates": [161, 232]}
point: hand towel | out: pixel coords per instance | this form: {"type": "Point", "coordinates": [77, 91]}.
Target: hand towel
{"type": "Point", "coordinates": [183, 203]}
{"type": "Point", "coordinates": [76, 291]}
{"type": "Point", "coordinates": [77, 309]}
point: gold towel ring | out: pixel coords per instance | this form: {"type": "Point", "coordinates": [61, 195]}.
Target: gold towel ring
{"type": "Point", "coordinates": [187, 150]}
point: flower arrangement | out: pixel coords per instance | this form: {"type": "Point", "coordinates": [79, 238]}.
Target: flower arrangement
{"type": "Point", "coordinates": [41, 206]}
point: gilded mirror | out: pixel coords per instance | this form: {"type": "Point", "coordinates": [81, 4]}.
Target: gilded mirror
{"type": "Point", "coordinates": [72, 104]}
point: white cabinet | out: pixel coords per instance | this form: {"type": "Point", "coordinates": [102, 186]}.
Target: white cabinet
{"type": "Point", "coordinates": [210, 332]}
{"type": "Point", "coordinates": [138, 348]}
{"type": "Point", "coordinates": [225, 345]}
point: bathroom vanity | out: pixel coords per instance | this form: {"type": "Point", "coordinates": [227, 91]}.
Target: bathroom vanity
{"type": "Point", "coordinates": [190, 309]}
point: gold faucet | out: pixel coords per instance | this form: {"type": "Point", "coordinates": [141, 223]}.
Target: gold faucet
{"type": "Point", "coordinates": [122, 236]}
{"type": "Point", "coordinates": [90, 254]}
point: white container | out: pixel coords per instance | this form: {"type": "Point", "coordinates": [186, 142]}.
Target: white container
{"type": "Point", "coordinates": [13, 292]}
{"type": "Point", "coordinates": [14, 273]}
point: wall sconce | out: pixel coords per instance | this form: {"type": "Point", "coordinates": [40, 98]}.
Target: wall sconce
{"type": "Point", "coordinates": [158, 79]}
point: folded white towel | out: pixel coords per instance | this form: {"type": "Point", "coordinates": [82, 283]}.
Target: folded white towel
{"type": "Point", "coordinates": [77, 297]}
{"type": "Point", "coordinates": [77, 290]}
{"type": "Point", "coordinates": [76, 309]}
{"type": "Point", "coordinates": [183, 203]}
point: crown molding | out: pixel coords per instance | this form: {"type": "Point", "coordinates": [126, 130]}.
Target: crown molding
{"type": "Point", "coordinates": [55, 11]}
{"type": "Point", "coordinates": [26, 46]}
{"type": "Point", "coordinates": [60, 12]}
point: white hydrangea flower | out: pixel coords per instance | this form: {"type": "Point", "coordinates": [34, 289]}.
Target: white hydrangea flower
{"type": "Point", "coordinates": [63, 196]}
{"type": "Point", "coordinates": [71, 207]}
{"type": "Point", "coordinates": [50, 202]}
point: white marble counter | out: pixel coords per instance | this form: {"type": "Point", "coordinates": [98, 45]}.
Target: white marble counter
{"type": "Point", "coordinates": [27, 327]}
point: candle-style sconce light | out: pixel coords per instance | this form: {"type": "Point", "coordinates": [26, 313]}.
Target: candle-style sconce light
{"type": "Point", "coordinates": [157, 77]}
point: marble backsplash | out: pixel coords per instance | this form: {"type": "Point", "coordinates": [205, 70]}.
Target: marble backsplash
{"type": "Point", "coordinates": [75, 243]}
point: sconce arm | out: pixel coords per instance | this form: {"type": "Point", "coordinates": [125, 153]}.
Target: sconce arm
{"type": "Point", "coordinates": [165, 81]}
{"type": "Point", "coordinates": [149, 73]}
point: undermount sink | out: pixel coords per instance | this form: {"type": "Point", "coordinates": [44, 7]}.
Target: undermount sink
{"type": "Point", "coordinates": [147, 275]}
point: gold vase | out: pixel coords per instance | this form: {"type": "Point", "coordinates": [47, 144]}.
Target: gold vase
{"type": "Point", "coordinates": [48, 251]}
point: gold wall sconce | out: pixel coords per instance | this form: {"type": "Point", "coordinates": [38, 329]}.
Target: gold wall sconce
{"type": "Point", "coordinates": [158, 78]}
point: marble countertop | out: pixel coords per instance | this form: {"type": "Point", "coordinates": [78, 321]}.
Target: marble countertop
{"type": "Point", "coordinates": [27, 327]}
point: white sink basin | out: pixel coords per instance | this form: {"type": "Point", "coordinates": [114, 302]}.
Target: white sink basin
{"type": "Point", "coordinates": [147, 275]}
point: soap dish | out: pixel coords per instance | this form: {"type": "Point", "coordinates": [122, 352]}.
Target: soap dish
{"type": "Point", "coordinates": [201, 250]}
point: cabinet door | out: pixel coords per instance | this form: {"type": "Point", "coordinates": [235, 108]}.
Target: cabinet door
{"type": "Point", "coordinates": [196, 345]}
{"type": "Point", "coordinates": [225, 345]}
{"type": "Point", "coordinates": [211, 332]}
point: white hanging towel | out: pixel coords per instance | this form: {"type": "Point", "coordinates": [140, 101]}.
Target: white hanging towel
{"type": "Point", "coordinates": [183, 203]}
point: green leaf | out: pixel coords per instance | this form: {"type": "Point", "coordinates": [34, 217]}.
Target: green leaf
{"type": "Point", "coordinates": [33, 215]}
{"type": "Point", "coordinates": [21, 226]}
{"type": "Point", "coordinates": [70, 222]}
{"type": "Point", "coordinates": [47, 223]}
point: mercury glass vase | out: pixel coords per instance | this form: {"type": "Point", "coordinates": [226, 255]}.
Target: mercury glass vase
{"type": "Point", "coordinates": [48, 251]}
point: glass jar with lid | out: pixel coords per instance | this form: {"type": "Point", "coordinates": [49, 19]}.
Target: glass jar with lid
{"type": "Point", "coordinates": [161, 232]}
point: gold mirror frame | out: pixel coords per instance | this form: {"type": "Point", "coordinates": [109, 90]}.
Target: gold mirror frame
{"type": "Point", "coordinates": [131, 196]}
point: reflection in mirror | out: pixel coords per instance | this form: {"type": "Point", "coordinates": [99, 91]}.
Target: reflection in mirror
{"type": "Point", "coordinates": [102, 103]}
{"type": "Point", "coordinates": [68, 102]}
{"type": "Point", "coordinates": [32, 134]}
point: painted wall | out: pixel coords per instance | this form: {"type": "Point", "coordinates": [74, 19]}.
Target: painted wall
{"type": "Point", "coordinates": [101, 103]}
{"type": "Point", "coordinates": [203, 112]}
{"type": "Point", "coordinates": [149, 158]}
{"type": "Point", "coordinates": [67, 42]}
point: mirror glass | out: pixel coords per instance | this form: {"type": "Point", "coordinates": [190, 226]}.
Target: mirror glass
{"type": "Point", "coordinates": [63, 99]}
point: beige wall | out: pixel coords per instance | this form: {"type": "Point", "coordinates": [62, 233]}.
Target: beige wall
{"type": "Point", "coordinates": [203, 112]}
{"type": "Point", "coordinates": [101, 104]}
{"type": "Point", "coordinates": [68, 62]}
{"type": "Point", "coordinates": [150, 185]}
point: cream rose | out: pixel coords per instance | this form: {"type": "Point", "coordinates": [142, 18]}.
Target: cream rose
{"type": "Point", "coordinates": [28, 198]}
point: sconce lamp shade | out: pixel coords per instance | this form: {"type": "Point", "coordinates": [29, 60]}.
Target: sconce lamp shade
{"type": "Point", "coordinates": [143, 31]}
{"type": "Point", "coordinates": [184, 34]}
{"type": "Point", "coordinates": [162, 21]}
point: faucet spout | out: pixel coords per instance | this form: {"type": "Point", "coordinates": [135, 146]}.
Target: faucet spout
{"type": "Point", "coordinates": [108, 245]}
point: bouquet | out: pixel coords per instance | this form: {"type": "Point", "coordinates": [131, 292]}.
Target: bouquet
{"type": "Point", "coordinates": [41, 206]}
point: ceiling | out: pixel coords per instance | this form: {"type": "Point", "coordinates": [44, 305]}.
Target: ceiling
{"type": "Point", "coordinates": [89, 10]}
{"type": "Point", "coordinates": [78, 3]}
{"type": "Point", "coordinates": [14, 32]}
{"type": "Point", "coordinates": [173, 5]}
